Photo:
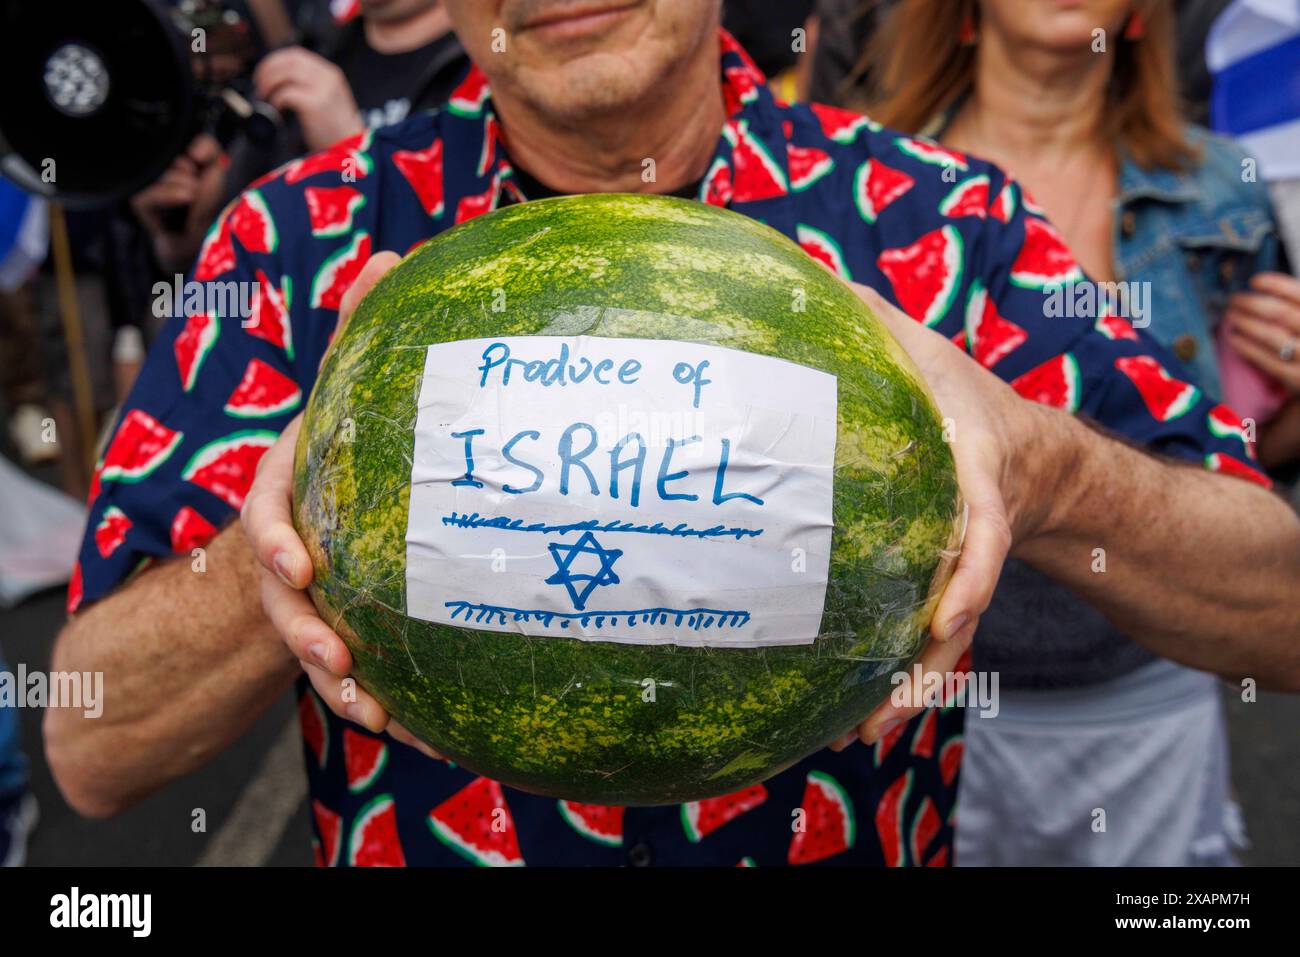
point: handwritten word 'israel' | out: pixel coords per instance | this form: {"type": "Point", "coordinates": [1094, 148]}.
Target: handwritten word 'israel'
{"type": "Point", "coordinates": [562, 370]}
{"type": "Point", "coordinates": [628, 453]}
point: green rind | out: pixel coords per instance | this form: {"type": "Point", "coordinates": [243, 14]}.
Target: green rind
{"type": "Point", "coordinates": [560, 716]}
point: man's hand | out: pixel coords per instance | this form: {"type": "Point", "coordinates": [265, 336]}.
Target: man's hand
{"type": "Point", "coordinates": [192, 183]}
{"type": "Point", "coordinates": [993, 429]}
{"type": "Point", "coordinates": [286, 567]}
{"type": "Point", "coordinates": [305, 83]}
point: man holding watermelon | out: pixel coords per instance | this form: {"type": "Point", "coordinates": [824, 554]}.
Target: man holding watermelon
{"type": "Point", "coordinates": [625, 95]}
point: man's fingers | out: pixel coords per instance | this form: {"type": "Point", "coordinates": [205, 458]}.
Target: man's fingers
{"type": "Point", "coordinates": [983, 552]}
{"type": "Point", "coordinates": [399, 733]}
{"type": "Point", "coordinates": [294, 617]}
{"type": "Point", "coordinates": [266, 515]}
{"type": "Point", "coordinates": [371, 273]}
{"type": "Point", "coordinates": [939, 657]}
{"type": "Point", "coordinates": [351, 702]}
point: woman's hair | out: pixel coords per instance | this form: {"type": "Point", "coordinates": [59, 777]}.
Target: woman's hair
{"type": "Point", "coordinates": [918, 67]}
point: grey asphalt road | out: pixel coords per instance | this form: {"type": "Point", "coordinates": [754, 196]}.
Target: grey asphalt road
{"type": "Point", "coordinates": [252, 795]}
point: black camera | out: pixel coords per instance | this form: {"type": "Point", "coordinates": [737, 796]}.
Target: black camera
{"type": "Point", "coordinates": [101, 95]}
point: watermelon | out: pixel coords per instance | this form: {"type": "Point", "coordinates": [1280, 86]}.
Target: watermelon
{"type": "Point", "coordinates": [364, 758]}
{"type": "Point", "coordinates": [989, 337]}
{"type": "Point", "coordinates": [842, 126]}
{"type": "Point", "coordinates": [226, 466]}
{"type": "Point", "coordinates": [374, 841]}
{"type": "Point", "coordinates": [332, 209]}
{"type": "Point", "coordinates": [189, 530]}
{"type": "Point", "coordinates": [1004, 204]}
{"type": "Point", "coordinates": [807, 165]}
{"type": "Point", "coordinates": [595, 822]}
{"type": "Point", "coordinates": [1054, 382]}
{"type": "Point", "coordinates": [928, 151]}
{"type": "Point", "coordinates": [422, 169]}
{"type": "Point", "coordinates": [950, 759]}
{"type": "Point", "coordinates": [554, 714]}
{"type": "Point", "coordinates": [1218, 462]}
{"type": "Point", "coordinates": [925, 828]}
{"type": "Point", "coordinates": [1044, 260]}
{"type": "Point", "coordinates": [890, 817]}
{"type": "Point", "coordinates": [927, 274]}
{"type": "Point", "coordinates": [315, 729]}
{"type": "Point", "coordinates": [263, 391]}
{"type": "Point", "coordinates": [111, 531]}
{"type": "Point", "coordinates": [476, 823]}
{"type": "Point", "coordinates": [193, 345]}
{"type": "Point", "coordinates": [337, 274]}
{"type": "Point", "coordinates": [876, 185]}
{"type": "Point", "coordinates": [269, 319]}
{"type": "Point", "coordinates": [755, 172]}
{"type": "Point", "coordinates": [1166, 398]}
{"type": "Point", "coordinates": [329, 827]}
{"type": "Point", "coordinates": [823, 248]}
{"type": "Point", "coordinates": [970, 197]}
{"type": "Point", "coordinates": [139, 446]}
{"type": "Point", "coordinates": [702, 818]}
{"type": "Point", "coordinates": [828, 821]}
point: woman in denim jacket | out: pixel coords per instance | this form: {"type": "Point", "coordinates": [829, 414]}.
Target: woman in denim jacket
{"type": "Point", "coordinates": [1100, 753]}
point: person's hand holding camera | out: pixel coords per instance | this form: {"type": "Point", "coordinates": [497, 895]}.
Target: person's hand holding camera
{"type": "Point", "coordinates": [177, 208]}
{"type": "Point", "coordinates": [296, 80]}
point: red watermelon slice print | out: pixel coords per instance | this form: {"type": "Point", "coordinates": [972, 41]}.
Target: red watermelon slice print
{"type": "Point", "coordinates": [1225, 423]}
{"type": "Point", "coordinates": [824, 249]}
{"type": "Point", "coordinates": [1218, 462]}
{"type": "Point", "coordinates": [829, 827]}
{"type": "Point", "coordinates": [755, 173]}
{"type": "Point", "coordinates": [595, 822]}
{"type": "Point", "coordinates": [923, 740]}
{"type": "Point", "coordinates": [193, 345]}
{"type": "Point", "coordinates": [226, 466]}
{"type": "Point", "coordinates": [348, 158]}
{"type": "Point", "coordinates": [423, 171]}
{"type": "Point", "coordinates": [968, 198]}
{"type": "Point", "coordinates": [950, 759]}
{"type": "Point", "coordinates": [468, 98]}
{"type": "Point", "coordinates": [190, 530]}
{"type": "Point", "coordinates": [263, 392]}
{"type": "Point", "coordinates": [807, 165]}
{"type": "Point", "coordinates": [269, 317]}
{"type": "Point", "coordinates": [75, 589]}
{"type": "Point", "coordinates": [1113, 327]}
{"type": "Point", "coordinates": [928, 151]}
{"type": "Point", "coordinates": [111, 531]}
{"type": "Point", "coordinates": [337, 274]}
{"type": "Point", "coordinates": [140, 445]}
{"type": "Point", "coordinates": [889, 820]}
{"type": "Point", "coordinates": [364, 759]}
{"type": "Point", "coordinates": [716, 188]}
{"type": "Point", "coordinates": [476, 823]}
{"type": "Point", "coordinates": [925, 828]}
{"type": "Point", "coordinates": [876, 185]}
{"type": "Point", "coordinates": [1054, 383]}
{"type": "Point", "coordinates": [315, 730]}
{"type": "Point", "coordinates": [479, 203]}
{"type": "Point", "coordinates": [1166, 398]}
{"type": "Point", "coordinates": [1004, 204]}
{"type": "Point", "coordinates": [886, 742]}
{"type": "Point", "coordinates": [332, 209]}
{"type": "Point", "coordinates": [842, 126]}
{"type": "Point", "coordinates": [1044, 260]}
{"type": "Point", "coordinates": [927, 274]}
{"type": "Point", "coordinates": [330, 828]}
{"type": "Point", "coordinates": [702, 818]}
{"type": "Point", "coordinates": [374, 841]}
{"type": "Point", "coordinates": [989, 337]}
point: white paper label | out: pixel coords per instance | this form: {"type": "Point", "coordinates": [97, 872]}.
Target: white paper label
{"type": "Point", "coordinates": [630, 490]}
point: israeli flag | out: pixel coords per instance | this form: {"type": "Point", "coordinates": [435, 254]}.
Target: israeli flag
{"type": "Point", "coordinates": [1253, 51]}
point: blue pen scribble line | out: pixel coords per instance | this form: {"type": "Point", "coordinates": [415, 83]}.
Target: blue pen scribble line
{"type": "Point", "coordinates": [680, 530]}
{"type": "Point", "coordinates": [694, 618]}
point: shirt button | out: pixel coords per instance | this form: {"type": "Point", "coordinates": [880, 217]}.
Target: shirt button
{"type": "Point", "coordinates": [1227, 270]}
{"type": "Point", "coordinates": [1185, 347]}
{"type": "Point", "coordinates": [640, 855]}
{"type": "Point", "coordinates": [1128, 223]}
{"type": "Point", "coordinates": [1193, 262]}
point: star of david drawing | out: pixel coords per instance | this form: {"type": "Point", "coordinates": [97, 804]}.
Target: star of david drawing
{"type": "Point", "coordinates": [580, 582]}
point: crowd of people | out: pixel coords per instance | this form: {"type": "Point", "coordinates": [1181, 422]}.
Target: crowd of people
{"type": "Point", "coordinates": [1126, 130]}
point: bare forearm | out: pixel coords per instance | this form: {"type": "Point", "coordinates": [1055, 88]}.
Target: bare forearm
{"type": "Point", "coordinates": [189, 662]}
{"type": "Point", "coordinates": [1200, 568]}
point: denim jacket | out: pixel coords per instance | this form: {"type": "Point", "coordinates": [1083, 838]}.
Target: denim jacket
{"type": "Point", "coordinates": [1196, 236]}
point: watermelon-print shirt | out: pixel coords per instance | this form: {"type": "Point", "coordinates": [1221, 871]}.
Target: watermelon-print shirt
{"type": "Point", "coordinates": [949, 239]}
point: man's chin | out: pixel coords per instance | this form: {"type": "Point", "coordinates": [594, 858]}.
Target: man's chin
{"type": "Point", "coordinates": [587, 87]}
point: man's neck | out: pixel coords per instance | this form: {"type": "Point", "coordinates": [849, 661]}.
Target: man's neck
{"type": "Point", "coordinates": [657, 148]}
{"type": "Point", "coordinates": [1035, 105]}
{"type": "Point", "coordinates": [411, 33]}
